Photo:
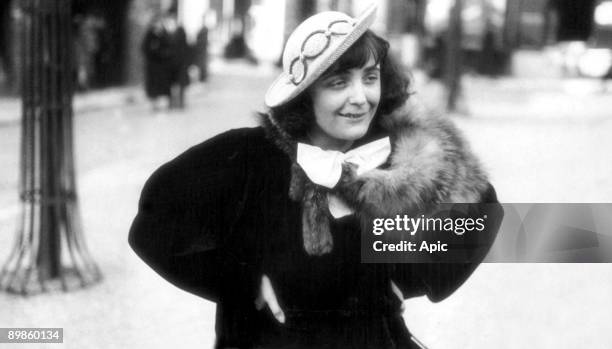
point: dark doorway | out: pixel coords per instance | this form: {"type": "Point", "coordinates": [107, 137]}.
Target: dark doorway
{"type": "Point", "coordinates": [99, 42]}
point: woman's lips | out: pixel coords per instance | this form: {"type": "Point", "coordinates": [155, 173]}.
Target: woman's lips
{"type": "Point", "coordinates": [353, 115]}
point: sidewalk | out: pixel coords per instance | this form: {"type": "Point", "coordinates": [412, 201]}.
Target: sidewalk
{"type": "Point", "coordinates": [10, 110]}
{"type": "Point", "coordinates": [537, 99]}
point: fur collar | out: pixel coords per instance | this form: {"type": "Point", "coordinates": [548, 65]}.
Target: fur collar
{"type": "Point", "coordinates": [430, 163]}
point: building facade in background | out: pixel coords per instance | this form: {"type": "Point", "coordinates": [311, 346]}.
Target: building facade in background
{"type": "Point", "coordinates": [108, 33]}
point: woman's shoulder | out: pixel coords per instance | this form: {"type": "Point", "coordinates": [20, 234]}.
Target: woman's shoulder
{"type": "Point", "coordinates": [235, 143]}
{"type": "Point", "coordinates": [228, 153]}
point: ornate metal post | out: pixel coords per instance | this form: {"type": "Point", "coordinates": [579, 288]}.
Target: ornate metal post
{"type": "Point", "coordinates": [49, 251]}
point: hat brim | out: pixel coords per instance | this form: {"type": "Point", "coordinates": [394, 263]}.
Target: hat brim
{"type": "Point", "coordinates": [283, 90]}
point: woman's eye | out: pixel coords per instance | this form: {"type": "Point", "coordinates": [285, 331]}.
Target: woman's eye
{"type": "Point", "coordinates": [371, 78]}
{"type": "Point", "coordinates": [337, 83]}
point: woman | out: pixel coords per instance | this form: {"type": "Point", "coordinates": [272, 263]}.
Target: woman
{"type": "Point", "coordinates": [252, 220]}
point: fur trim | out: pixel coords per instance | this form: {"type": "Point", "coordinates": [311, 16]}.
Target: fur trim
{"type": "Point", "coordinates": [430, 163]}
{"type": "Point", "coordinates": [315, 221]}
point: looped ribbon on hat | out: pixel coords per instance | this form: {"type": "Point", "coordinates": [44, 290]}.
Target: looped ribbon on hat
{"type": "Point", "coordinates": [324, 167]}
{"type": "Point", "coordinates": [314, 45]}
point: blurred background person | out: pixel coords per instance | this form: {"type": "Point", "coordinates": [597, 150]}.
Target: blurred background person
{"type": "Point", "coordinates": [200, 53]}
{"type": "Point", "coordinates": [165, 50]}
{"type": "Point", "coordinates": [88, 41]}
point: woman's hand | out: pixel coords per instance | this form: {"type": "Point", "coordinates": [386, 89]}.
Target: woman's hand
{"type": "Point", "coordinates": [267, 296]}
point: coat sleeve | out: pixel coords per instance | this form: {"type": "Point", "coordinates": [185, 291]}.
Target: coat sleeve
{"type": "Point", "coordinates": [439, 280]}
{"type": "Point", "coordinates": [186, 213]}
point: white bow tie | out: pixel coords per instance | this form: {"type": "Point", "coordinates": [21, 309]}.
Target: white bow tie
{"type": "Point", "coordinates": [324, 167]}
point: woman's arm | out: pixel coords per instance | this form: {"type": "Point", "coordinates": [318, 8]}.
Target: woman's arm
{"type": "Point", "coordinates": [186, 212]}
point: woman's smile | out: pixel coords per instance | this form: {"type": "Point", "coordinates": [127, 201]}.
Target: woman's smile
{"type": "Point", "coordinates": [353, 116]}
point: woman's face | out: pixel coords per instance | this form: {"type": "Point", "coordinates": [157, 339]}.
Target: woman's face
{"type": "Point", "coordinates": [344, 105]}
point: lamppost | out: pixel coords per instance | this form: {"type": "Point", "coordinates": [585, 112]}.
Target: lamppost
{"type": "Point", "coordinates": [50, 251]}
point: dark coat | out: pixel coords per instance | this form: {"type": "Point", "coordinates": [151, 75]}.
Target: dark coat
{"type": "Point", "coordinates": [166, 60]}
{"type": "Point", "coordinates": [219, 216]}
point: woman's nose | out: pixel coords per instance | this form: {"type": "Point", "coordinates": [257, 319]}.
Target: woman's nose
{"type": "Point", "coordinates": [357, 94]}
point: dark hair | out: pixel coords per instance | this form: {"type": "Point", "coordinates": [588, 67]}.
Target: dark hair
{"type": "Point", "coordinates": [296, 117]}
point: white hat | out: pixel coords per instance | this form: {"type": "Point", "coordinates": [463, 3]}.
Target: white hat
{"type": "Point", "coordinates": [312, 48]}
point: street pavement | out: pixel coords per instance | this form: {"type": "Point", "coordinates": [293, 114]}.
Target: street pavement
{"type": "Point", "coordinates": [541, 141]}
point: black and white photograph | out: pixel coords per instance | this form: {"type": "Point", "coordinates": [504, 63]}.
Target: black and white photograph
{"type": "Point", "coordinates": [267, 174]}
